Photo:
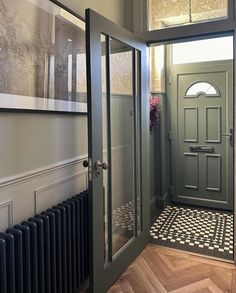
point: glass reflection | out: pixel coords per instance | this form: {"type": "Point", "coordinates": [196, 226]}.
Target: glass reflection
{"type": "Point", "coordinates": [105, 147]}
{"type": "Point", "coordinates": [122, 142]}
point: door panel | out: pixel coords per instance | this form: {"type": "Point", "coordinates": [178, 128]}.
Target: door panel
{"type": "Point", "coordinates": [213, 124]}
{"type": "Point", "coordinates": [191, 124]}
{"type": "Point", "coordinates": [213, 173]}
{"type": "Point", "coordinates": [202, 114]}
{"type": "Point", "coordinates": [118, 144]}
{"type": "Point", "coordinates": [191, 171]}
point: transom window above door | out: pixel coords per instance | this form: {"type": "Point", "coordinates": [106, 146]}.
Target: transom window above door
{"type": "Point", "coordinates": [168, 13]}
{"type": "Point", "coordinates": [206, 50]}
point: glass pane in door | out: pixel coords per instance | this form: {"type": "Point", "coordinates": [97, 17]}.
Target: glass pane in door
{"type": "Point", "coordinates": [105, 138]}
{"type": "Point", "coordinates": [122, 143]}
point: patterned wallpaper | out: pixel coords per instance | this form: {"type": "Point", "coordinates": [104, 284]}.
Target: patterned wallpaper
{"type": "Point", "coordinates": [164, 13]}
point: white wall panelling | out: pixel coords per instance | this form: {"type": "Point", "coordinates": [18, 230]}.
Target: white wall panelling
{"type": "Point", "coordinates": [39, 189]}
{"type": "Point", "coordinates": [6, 214]}
{"type": "Point", "coordinates": [56, 192]}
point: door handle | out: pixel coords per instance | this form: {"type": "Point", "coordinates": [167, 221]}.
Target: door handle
{"type": "Point", "coordinates": [98, 165]}
{"type": "Point", "coordinates": [230, 135]}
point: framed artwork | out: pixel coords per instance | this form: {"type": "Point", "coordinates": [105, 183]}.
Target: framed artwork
{"type": "Point", "coordinates": [42, 57]}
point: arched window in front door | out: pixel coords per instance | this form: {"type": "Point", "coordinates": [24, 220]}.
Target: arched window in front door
{"type": "Point", "coordinates": [202, 88]}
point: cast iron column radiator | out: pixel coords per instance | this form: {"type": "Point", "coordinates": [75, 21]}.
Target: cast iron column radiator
{"type": "Point", "coordinates": [47, 253]}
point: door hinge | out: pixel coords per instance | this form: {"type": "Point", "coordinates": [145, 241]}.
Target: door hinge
{"type": "Point", "coordinates": [169, 135]}
{"type": "Point", "coordinates": [170, 80]}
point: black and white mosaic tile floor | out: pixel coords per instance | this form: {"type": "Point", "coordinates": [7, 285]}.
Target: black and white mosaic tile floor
{"type": "Point", "coordinates": [195, 230]}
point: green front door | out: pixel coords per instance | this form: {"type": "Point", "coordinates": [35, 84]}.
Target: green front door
{"type": "Point", "coordinates": [202, 134]}
{"type": "Point", "coordinates": [118, 149]}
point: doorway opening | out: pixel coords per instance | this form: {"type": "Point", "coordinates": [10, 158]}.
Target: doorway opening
{"type": "Point", "coordinates": [196, 203]}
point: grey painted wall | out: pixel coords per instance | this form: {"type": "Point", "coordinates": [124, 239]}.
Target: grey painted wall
{"type": "Point", "coordinates": [159, 166]}
{"type": "Point", "coordinates": [31, 141]}
{"type": "Point", "coordinates": [154, 178]}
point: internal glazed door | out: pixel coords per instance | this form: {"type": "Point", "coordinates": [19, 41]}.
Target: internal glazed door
{"type": "Point", "coordinates": [202, 134]}
{"type": "Point", "coordinates": [118, 145]}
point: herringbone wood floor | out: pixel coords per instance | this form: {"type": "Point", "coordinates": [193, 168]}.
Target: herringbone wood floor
{"type": "Point", "coordinates": [161, 270]}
